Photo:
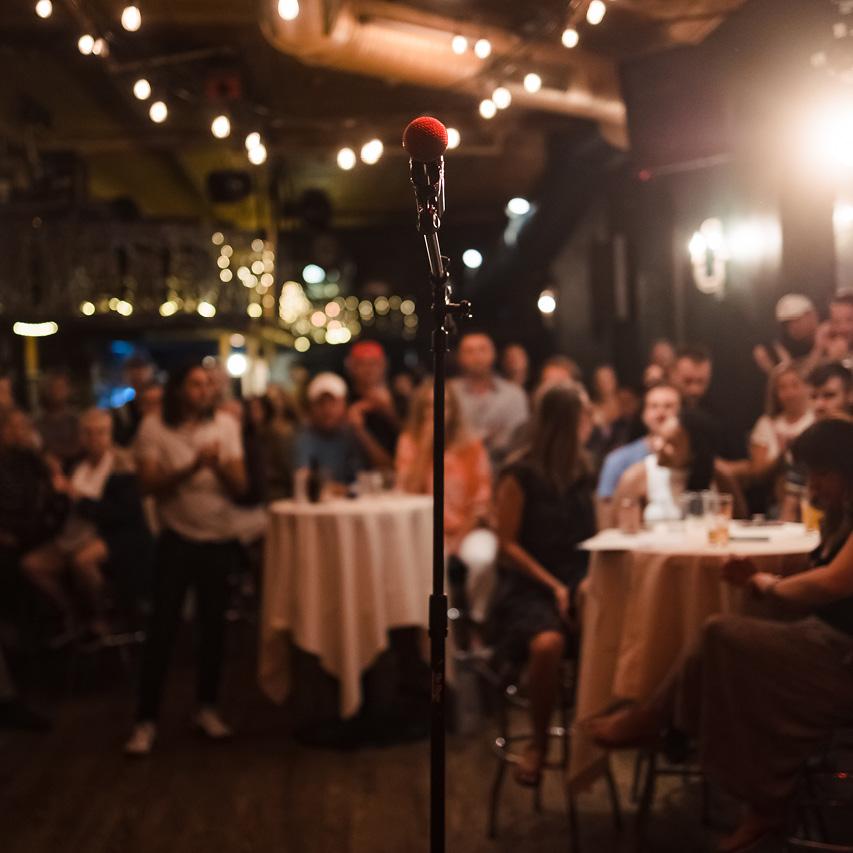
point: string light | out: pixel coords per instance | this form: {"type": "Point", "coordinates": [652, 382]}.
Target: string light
{"type": "Point", "coordinates": [595, 12]}
{"type": "Point", "coordinates": [225, 275]}
{"type": "Point", "coordinates": [570, 37]}
{"type": "Point", "coordinates": [44, 8]}
{"type": "Point", "coordinates": [168, 308]}
{"type": "Point", "coordinates": [482, 48]}
{"type": "Point", "coordinates": [253, 140]}
{"type": "Point", "coordinates": [472, 259]}
{"type": "Point", "coordinates": [99, 48]}
{"type": "Point", "coordinates": [547, 302]}
{"type": "Point", "coordinates": [85, 44]}
{"type": "Point", "coordinates": [532, 83]}
{"type": "Point", "coordinates": [124, 308]}
{"type": "Point", "coordinates": [501, 97]}
{"type": "Point", "coordinates": [346, 159]}
{"type": "Point", "coordinates": [288, 10]}
{"type": "Point", "coordinates": [488, 109]}
{"type": "Point", "coordinates": [87, 309]}
{"type": "Point", "coordinates": [257, 245]}
{"type": "Point", "coordinates": [217, 238]}
{"type": "Point", "coordinates": [220, 127]}
{"type": "Point", "coordinates": [142, 89]}
{"type": "Point", "coordinates": [258, 154]}
{"type": "Point", "coordinates": [372, 151]}
{"type": "Point", "coordinates": [254, 310]}
{"type": "Point", "coordinates": [131, 18]}
{"type": "Point", "coordinates": [453, 137]}
{"type": "Point", "coordinates": [206, 309]}
{"type": "Point", "coordinates": [158, 112]}
{"type": "Point", "coordinates": [459, 44]}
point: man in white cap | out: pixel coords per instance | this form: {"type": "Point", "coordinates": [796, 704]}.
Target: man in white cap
{"type": "Point", "coordinates": [329, 441]}
{"type": "Point", "coordinates": [798, 339]}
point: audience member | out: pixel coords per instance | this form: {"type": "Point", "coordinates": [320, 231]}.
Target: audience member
{"type": "Point", "coordinates": [788, 413]}
{"type": "Point", "coordinates": [605, 398]}
{"type": "Point", "coordinates": [191, 461]}
{"type": "Point", "coordinates": [515, 365]}
{"type": "Point", "coordinates": [662, 354]}
{"type": "Point", "coordinates": [58, 424]}
{"type": "Point", "coordinates": [559, 369]}
{"type": "Point", "coordinates": [329, 441]}
{"type": "Point", "coordinates": [139, 375]}
{"type": "Point", "coordinates": [798, 341]}
{"type": "Point", "coordinates": [276, 437]}
{"type": "Point", "coordinates": [684, 461]}
{"type": "Point", "coordinates": [832, 390]}
{"type": "Point", "coordinates": [763, 696]}
{"type": "Point", "coordinates": [662, 404]}
{"type": "Point", "coordinates": [373, 412]}
{"type": "Point", "coordinates": [151, 400]}
{"type": "Point", "coordinates": [839, 335]}
{"type": "Point", "coordinates": [104, 532]}
{"type": "Point", "coordinates": [7, 397]}
{"type": "Point", "coordinates": [492, 406]}
{"type": "Point", "coordinates": [544, 510]}
{"type": "Point", "coordinates": [467, 474]}
{"type": "Point", "coordinates": [33, 505]}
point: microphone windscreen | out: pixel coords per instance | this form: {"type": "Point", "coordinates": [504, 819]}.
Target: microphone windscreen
{"type": "Point", "coordinates": [425, 139]}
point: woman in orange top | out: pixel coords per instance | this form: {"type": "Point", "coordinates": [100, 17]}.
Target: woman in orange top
{"type": "Point", "coordinates": [468, 480]}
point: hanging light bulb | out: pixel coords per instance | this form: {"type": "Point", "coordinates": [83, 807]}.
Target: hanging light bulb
{"type": "Point", "coordinates": [570, 37]}
{"type": "Point", "coordinates": [131, 18]}
{"type": "Point", "coordinates": [459, 44]}
{"type": "Point", "coordinates": [99, 48]}
{"type": "Point", "coordinates": [482, 48]}
{"type": "Point", "coordinates": [288, 10]}
{"type": "Point", "coordinates": [453, 137]}
{"type": "Point", "coordinates": [44, 8]}
{"type": "Point", "coordinates": [346, 159]}
{"type": "Point", "coordinates": [85, 44]}
{"type": "Point", "coordinates": [142, 89]}
{"type": "Point", "coordinates": [595, 12]}
{"type": "Point", "coordinates": [220, 127]}
{"type": "Point", "coordinates": [253, 140]}
{"type": "Point", "coordinates": [258, 154]}
{"type": "Point", "coordinates": [501, 97]}
{"type": "Point", "coordinates": [158, 112]}
{"type": "Point", "coordinates": [488, 108]}
{"type": "Point", "coordinates": [532, 83]}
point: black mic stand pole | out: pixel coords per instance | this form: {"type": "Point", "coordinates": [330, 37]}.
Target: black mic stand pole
{"type": "Point", "coordinates": [428, 181]}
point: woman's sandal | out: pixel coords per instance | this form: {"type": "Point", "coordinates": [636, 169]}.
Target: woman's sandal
{"type": "Point", "coordinates": [528, 771]}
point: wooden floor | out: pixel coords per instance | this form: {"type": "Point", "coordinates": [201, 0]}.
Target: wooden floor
{"type": "Point", "coordinates": [73, 790]}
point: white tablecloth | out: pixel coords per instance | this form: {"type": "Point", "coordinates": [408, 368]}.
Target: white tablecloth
{"type": "Point", "coordinates": [337, 576]}
{"type": "Point", "coordinates": [648, 598]}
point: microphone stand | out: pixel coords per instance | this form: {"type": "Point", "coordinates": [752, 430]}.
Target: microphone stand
{"type": "Point", "coordinates": [428, 181]}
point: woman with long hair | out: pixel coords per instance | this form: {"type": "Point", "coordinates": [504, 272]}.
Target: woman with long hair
{"type": "Point", "coordinates": [467, 473]}
{"type": "Point", "coordinates": [762, 696]}
{"type": "Point", "coordinates": [191, 460]}
{"type": "Point", "coordinates": [544, 510]}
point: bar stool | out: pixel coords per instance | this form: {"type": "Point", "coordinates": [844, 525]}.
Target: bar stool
{"type": "Point", "coordinates": [510, 741]}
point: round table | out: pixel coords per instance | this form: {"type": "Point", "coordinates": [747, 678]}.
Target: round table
{"type": "Point", "coordinates": [648, 597]}
{"type": "Point", "coordinates": [337, 576]}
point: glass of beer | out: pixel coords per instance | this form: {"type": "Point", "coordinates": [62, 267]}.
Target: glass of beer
{"type": "Point", "coordinates": [718, 516]}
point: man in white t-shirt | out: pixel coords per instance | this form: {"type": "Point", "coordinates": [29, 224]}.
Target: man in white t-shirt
{"type": "Point", "coordinates": [191, 461]}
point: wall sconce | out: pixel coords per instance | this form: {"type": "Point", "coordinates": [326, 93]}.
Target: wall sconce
{"type": "Point", "coordinates": [709, 255]}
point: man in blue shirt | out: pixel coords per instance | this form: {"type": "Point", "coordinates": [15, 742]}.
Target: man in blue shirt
{"type": "Point", "coordinates": [662, 402]}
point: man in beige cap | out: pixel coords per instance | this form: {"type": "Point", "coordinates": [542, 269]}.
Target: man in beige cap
{"type": "Point", "coordinates": [798, 340]}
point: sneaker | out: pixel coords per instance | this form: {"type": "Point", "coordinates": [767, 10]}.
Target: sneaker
{"type": "Point", "coordinates": [141, 739]}
{"type": "Point", "coordinates": [209, 721]}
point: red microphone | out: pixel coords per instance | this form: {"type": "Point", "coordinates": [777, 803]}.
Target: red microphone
{"type": "Point", "coordinates": [425, 139]}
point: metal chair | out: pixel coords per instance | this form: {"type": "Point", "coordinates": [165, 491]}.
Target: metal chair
{"type": "Point", "coordinates": [509, 742]}
{"type": "Point", "coordinates": [825, 789]}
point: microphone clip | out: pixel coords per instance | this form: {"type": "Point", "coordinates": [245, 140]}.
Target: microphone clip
{"type": "Point", "coordinates": [428, 182]}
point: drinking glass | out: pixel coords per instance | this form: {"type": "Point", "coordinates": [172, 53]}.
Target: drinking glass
{"type": "Point", "coordinates": [629, 516]}
{"type": "Point", "coordinates": [718, 516]}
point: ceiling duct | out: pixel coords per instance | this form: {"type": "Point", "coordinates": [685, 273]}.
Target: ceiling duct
{"type": "Point", "coordinates": [396, 42]}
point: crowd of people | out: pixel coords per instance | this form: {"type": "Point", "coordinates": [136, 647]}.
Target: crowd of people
{"type": "Point", "coordinates": [110, 508]}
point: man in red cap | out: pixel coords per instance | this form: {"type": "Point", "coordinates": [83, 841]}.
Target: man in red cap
{"type": "Point", "coordinates": [373, 407]}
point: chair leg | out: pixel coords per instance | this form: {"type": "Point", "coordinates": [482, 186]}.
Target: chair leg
{"type": "Point", "coordinates": [494, 800]}
{"type": "Point", "coordinates": [638, 775]}
{"type": "Point", "coordinates": [574, 823]}
{"type": "Point", "coordinates": [615, 803]}
{"type": "Point", "coordinates": [646, 800]}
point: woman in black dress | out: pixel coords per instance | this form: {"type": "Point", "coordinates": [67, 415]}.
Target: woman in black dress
{"type": "Point", "coordinates": [544, 509]}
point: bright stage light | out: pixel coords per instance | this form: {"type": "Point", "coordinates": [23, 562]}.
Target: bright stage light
{"type": "Point", "coordinates": [453, 138]}
{"type": "Point", "coordinates": [237, 364]}
{"type": "Point", "coordinates": [829, 139]}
